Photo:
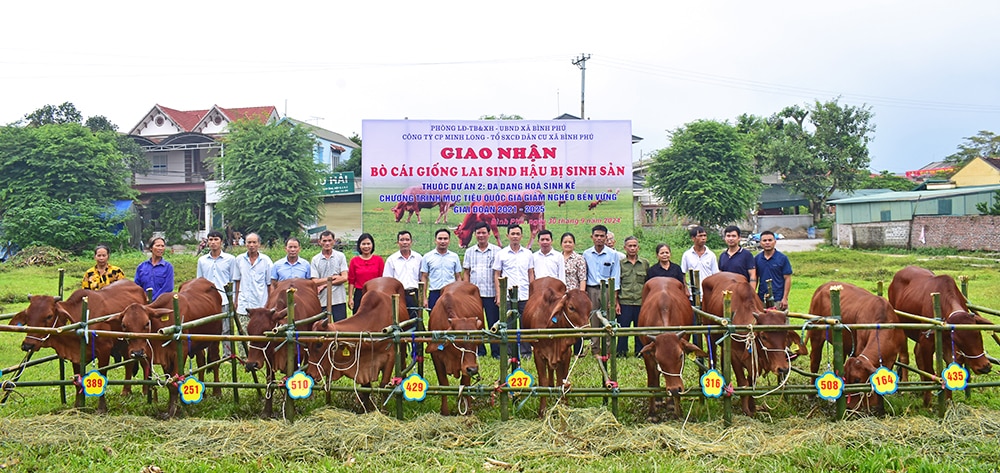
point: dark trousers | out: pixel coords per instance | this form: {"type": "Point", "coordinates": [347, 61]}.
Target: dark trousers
{"type": "Point", "coordinates": [525, 347]}
{"type": "Point", "coordinates": [339, 311]}
{"type": "Point", "coordinates": [357, 299]}
{"type": "Point", "coordinates": [628, 318]}
{"type": "Point", "coordinates": [411, 304]}
{"type": "Point", "coordinates": [432, 298]}
{"type": "Point", "coordinates": [492, 312]}
{"type": "Point", "coordinates": [594, 292]}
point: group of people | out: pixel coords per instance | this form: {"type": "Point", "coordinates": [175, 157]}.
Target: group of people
{"type": "Point", "coordinates": [340, 283]}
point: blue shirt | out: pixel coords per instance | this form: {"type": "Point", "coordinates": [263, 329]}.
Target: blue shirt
{"type": "Point", "coordinates": [774, 269]}
{"type": "Point", "coordinates": [740, 263]}
{"type": "Point", "coordinates": [283, 270]}
{"type": "Point", "coordinates": [160, 277]}
{"type": "Point", "coordinates": [440, 269]}
{"type": "Point", "coordinates": [602, 266]}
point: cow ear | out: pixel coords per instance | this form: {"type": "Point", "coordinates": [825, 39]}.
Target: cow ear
{"type": "Point", "coordinates": [689, 347]}
{"type": "Point", "coordinates": [61, 314]}
{"type": "Point", "coordinates": [161, 314]}
{"type": "Point", "coordinates": [479, 324]}
{"type": "Point", "coordinates": [277, 316]}
{"type": "Point", "coordinates": [325, 323]}
{"type": "Point", "coordinates": [649, 348]}
{"type": "Point", "coordinates": [20, 318]}
{"type": "Point", "coordinates": [756, 315]}
{"type": "Point", "coordinates": [981, 320]}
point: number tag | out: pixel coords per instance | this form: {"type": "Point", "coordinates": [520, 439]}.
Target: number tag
{"type": "Point", "coordinates": [94, 384]}
{"type": "Point", "coordinates": [299, 385]}
{"type": "Point", "coordinates": [711, 383]}
{"type": "Point", "coordinates": [414, 388]}
{"type": "Point", "coordinates": [955, 377]}
{"type": "Point", "coordinates": [520, 379]}
{"type": "Point", "coordinates": [884, 381]}
{"type": "Point", "coordinates": [830, 386]}
{"type": "Point", "coordinates": [192, 390]}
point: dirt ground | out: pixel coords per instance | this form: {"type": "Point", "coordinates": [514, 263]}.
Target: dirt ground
{"type": "Point", "coordinates": [789, 245]}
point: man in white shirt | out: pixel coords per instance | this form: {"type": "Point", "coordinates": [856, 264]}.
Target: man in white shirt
{"type": "Point", "coordinates": [404, 265]}
{"type": "Point", "coordinates": [217, 266]}
{"type": "Point", "coordinates": [699, 257]}
{"type": "Point", "coordinates": [330, 267]}
{"type": "Point", "coordinates": [516, 263]}
{"type": "Point", "coordinates": [548, 263]}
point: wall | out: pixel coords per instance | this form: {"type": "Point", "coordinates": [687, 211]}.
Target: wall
{"type": "Point", "coordinates": [978, 232]}
{"type": "Point", "coordinates": [774, 222]}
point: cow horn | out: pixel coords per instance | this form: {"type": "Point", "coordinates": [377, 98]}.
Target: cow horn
{"type": "Point", "coordinates": [58, 298]}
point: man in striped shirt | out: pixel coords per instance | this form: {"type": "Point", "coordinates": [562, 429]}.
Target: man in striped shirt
{"type": "Point", "coordinates": [478, 266]}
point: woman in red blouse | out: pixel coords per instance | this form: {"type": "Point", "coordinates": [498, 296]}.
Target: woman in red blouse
{"type": "Point", "coordinates": [362, 268]}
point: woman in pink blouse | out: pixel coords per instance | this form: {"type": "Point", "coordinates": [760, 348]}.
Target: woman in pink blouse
{"type": "Point", "coordinates": [576, 267]}
{"type": "Point", "coordinates": [362, 268]}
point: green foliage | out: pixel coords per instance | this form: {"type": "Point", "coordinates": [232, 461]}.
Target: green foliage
{"type": "Point", "coordinates": [354, 164]}
{"type": "Point", "coordinates": [705, 173]}
{"type": "Point", "coordinates": [176, 215]}
{"type": "Point", "coordinates": [57, 182]}
{"type": "Point", "coordinates": [54, 115]}
{"type": "Point", "coordinates": [990, 209]}
{"type": "Point", "coordinates": [271, 183]}
{"type": "Point", "coordinates": [984, 144]}
{"type": "Point", "coordinates": [885, 180]}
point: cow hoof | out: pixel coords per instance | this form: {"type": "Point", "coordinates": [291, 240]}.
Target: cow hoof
{"type": "Point", "coordinates": [217, 392]}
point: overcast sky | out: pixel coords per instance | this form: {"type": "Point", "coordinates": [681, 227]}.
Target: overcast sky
{"type": "Point", "coordinates": [929, 70]}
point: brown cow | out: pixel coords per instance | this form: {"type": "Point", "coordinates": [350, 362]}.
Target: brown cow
{"type": "Point", "coordinates": [910, 291]}
{"type": "Point", "coordinates": [551, 306]}
{"type": "Point", "coordinates": [360, 361]}
{"type": "Point", "coordinates": [458, 308]}
{"type": "Point", "coordinates": [423, 199]}
{"type": "Point", "coordinates": [664, 304]}
{"type": "Point", "coordinates": [272, 355]}
{"type": "Point", "coordinates": [527, 206]}
{"type": "Point", "coordinates": [197, 299]}
{"type": "Point", "coordinates": [871, 348]}
{"type": "Point", "coordinates": [747, 308]}
{"type": "Point", "coordinates": [46, 311]}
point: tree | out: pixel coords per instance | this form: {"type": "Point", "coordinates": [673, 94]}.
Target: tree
{"type": "Point", "coordinates": [502, 116]}
{"type": "Point", "coordinates": [57, 182]}
{"type": "Point", "coordinates": [52, 114]}
{"type": "Point", "coordinates": [705, 173]}
{"type": "Point", "coordinates": [885, 180]}
{"type": "Point", "coordinates": [270, 183]}
{"type": "Point", "coordinates": [819, 149]}
{"type": "Point", "coordinates": [986, 208]}
{"type": "Point", "coordinates": [354, 163]}
{"type": "Point", "coordinates": [985, 144]}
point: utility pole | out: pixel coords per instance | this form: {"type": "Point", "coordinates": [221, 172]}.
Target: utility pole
{"type": "Point", "coordinates": [581, 62]}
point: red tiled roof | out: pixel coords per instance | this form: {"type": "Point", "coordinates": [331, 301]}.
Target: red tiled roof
{"type": "Point", "coordinates": [185, 119]}
{"type": "Point", "coordinates": [260, 113]}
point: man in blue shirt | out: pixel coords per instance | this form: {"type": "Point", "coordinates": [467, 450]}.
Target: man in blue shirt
{"type": "Point", "coordinates": [773, 265]}
{"type": "Point", "coordinates": [291, 266]}
{"type": "Point", "coordinates": [439, 268]}
{"type": "Point", "coordinates": [737, 259]}
{"type": "Point", "coordinates": [602, 263]}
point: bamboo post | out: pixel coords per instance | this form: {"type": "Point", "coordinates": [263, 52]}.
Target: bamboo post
{"type": "Point", "coordinates": [149, 295]}
{"type": "Point", "coordinates": [62, 277]}
{"type": "Point", "coordinates": [62, 377]}
{"type": "Point", "coordinates": [234, 327]}
{"type": "Point", "coordinates": [504, 356]}
{"type": "Point", "coordinates": [399, 357]}
{"type": "Point", "coordinates": [613, 343]}
{"type": "Point", "coordinates": [418, 348]}
{"type": "Point", "coordinates": [964, 280]}
{"type": "Point", "coordinates": [838, 347]}
{"type": "Point", "coordinates": [879, 288]}
{"type": "Point", "coordinates": [939, 353]}
{"type": "Point", "coordinates": [291, 348]}
{"type": "Point", "coordinates": [727, 402]}
{"type": "Point", "coordinates": [177, 334]}
{"type": "Point", "coordinates": [80, 399]}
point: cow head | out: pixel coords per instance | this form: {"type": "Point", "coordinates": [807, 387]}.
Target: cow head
{"type": "Point", "coordinates": [574, 308]}
{"type": "Point", "coordinates": [261, 354]}
{"type": "Point", "coordinates": [464, 352]}
{"type": "Point", "coordinates": [320, 353]}
{"type": "Point", "coordinates": [969, 348]}
{"type": "Point", "coordinates": [668, 350]}
{"type": "Point", "coordinates": [857, 370]}
{"type": "Point", "coordinates": [42, 311]}
{"type": "Point", "coordinates": [138, 318]}
{"type": "Point", "coordinates": [773, 343]}
{"type": "Point", "coordinates": [399, 210]}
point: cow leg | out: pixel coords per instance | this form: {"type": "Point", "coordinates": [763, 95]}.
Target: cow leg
{"type": "Point", "coordinates": [418, 216]}
{"type": "Point", "coordinates": [466, 381]}
{"type": "Point", "coordinates": [172, 404]}
{"type": "Point", "coordinates": [80, 398]}
{"type": "Point", "coordinates": [544, 379]}
{"type": "Point", "coordinates": [103, 359]}
{"type": "Point", "coordinates": [904, 357]}
{"type": "Point", "coordinates": [816, 340]}
{"type": "Point", "coordinates": [924, 353]}
{"type": "Point", "coordinates": [442, 376]}
{"type": "Point", "coordinates": [129, 369]}
{"type": "Point", "coordinates": [652, 381]}
{"type": "Point", "coordinates": [268, 410]}
{"type": "Point", "coordinates": [213, 355]}
{"type": "Point", "coordinates": [740, 373]}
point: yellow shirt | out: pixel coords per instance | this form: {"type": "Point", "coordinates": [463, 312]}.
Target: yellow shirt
{"type": "Point", "coordinates": [95, 280]}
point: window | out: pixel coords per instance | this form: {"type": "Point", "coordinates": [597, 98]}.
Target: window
{"type": "Point", "coordinates": [944, 207]}
{"type": "Point", "coordinates": [159, 164]}
{"type": "Point", "coordinates": [885, 216]}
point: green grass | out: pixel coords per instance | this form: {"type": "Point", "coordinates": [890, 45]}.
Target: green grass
{"type": "Point", "coordinates": [473, 439]}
